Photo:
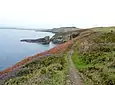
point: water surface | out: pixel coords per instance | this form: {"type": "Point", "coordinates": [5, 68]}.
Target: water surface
{"type": "Point", "coordinates": [12, 50]}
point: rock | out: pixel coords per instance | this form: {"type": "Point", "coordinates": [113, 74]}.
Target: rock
{"type": "Point", "coordinates": [57, 41]}
{"type": "Point", "coordinates": [45, 40]}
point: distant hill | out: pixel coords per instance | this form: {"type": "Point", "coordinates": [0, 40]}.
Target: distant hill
{"type": "Point", "coordinates": [61, 29]}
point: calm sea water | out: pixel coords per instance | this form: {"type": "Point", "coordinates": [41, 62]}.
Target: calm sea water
{"type": "Point", "coordinates": [12, 50]}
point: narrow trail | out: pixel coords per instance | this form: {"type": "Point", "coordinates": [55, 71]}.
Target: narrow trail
{"type": "Point", "coordinates": [74, 76]}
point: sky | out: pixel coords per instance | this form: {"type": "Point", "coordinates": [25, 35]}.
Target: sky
{"type": "Point", "coordinates": [57, 13]}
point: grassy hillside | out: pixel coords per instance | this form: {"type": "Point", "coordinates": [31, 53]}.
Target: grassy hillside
{"type": "Point", "coordinates": [46, 68]}
{"type": "Point", "coordinates": [50, 70]}
{"type": "Point", "coordinates": [94, 57]}
{"type": "Point", "coordinates": [104, 29]}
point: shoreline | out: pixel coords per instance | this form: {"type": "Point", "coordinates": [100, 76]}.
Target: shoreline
{"type": "Point", "coordinates": [58, 49]}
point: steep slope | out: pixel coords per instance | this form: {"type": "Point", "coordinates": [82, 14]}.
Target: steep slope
{"type": "Point", "coordinates": [50, 70]}
{"type": "Point", "coordinates": [47, 68]}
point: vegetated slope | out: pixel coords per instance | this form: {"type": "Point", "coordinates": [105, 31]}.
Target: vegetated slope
{"type": "Point", "coordinates": [47, 68]}
{"type": "Point", "coordinates": [94, 57]}
{"type": "Point", "coordinates": [104, 29]}
{"type": "Point", "coordinates": [18, 65]}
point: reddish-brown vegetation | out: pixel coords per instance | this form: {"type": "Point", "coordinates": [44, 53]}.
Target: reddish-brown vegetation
{"type": "Point", "coordinates": [58, 49]}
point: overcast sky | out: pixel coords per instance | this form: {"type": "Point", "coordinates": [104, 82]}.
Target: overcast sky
{"type": "Point", "coordinates": [56, 13]}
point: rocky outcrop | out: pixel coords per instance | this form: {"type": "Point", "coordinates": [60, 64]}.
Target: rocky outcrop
{"type": "Point", "coordinates": [59, 38]}
{"type": "Point", "coordinates": [62, 34]}
{"type": "Point", "coordinates": [44, 40]}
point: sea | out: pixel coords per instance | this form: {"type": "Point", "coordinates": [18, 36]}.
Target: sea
{"type": "Point", "coordinates": [13, 51]}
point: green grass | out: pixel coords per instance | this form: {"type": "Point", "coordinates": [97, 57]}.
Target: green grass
{"type": "Point", "coordinates": [96, 71]}
{"type": "Point", "coordinates": [79, 63]}
{"type": "Point", "coordinates": [104, 29]}
{"type": "Point", "coordinates": [97, 64]}
{"type": "Point", "coordinates": [50, 70]}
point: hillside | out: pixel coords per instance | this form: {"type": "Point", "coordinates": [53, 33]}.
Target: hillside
{"type": "Point", "coordinates": [94, 56]}
{"type": "Point", "coordinates": [93, 61]}
{"type": "Point", "coordinates": [47, 68]}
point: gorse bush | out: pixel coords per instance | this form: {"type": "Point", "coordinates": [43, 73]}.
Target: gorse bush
{"type": "Point", "coordinates": [105, 37]}
{"type": "Point", "coordinates": [97, 64]}
{"type": "Point", "coordinates": [50, 70]}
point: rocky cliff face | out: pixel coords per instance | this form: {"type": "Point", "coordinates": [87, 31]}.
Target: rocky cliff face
{"type": "Point", "coordinates": [44, 40]}
{"type": "Point", "coordinates": [65, 36]}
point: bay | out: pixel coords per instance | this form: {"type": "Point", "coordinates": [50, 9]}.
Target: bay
{"type": "Point", "coordinates": [13, 51]}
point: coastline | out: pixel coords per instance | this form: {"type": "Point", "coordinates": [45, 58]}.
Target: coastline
{"type": "Point", "coordinates": [55, 50]}
{"type": "Point", "coordinates": [58, 49]}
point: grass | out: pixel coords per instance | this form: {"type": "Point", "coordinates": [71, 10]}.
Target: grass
{"type": "Point", "coordinates": [104, 29]}
{"type": "Point", "coordinates": [50, 70]}
{"type": "Point", "coordinates": [79, 63]}
{"type": "Point", "coordinates": [97, 72]}
{"type": "Point", "coordinates": [97, 63]}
